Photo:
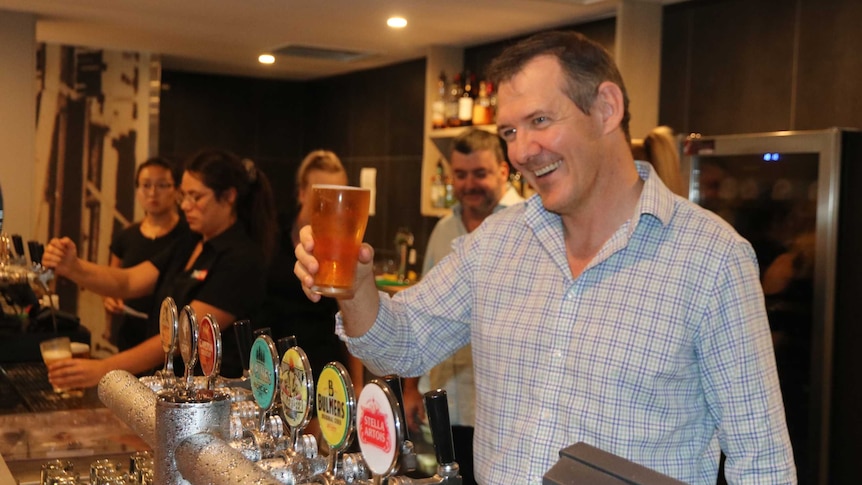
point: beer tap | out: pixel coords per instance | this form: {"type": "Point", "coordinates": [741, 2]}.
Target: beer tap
{"type": "Point", "coordinates": [404, 242]}
{"type": "Point", "coordinates": [336, 409]}
{"type": "Point", "coordinates": [168, 328]}
{"type": "Point", "coordinates": [256, 443]}
{"type": "Point", "coordinates": [18, 243]}
{"type": "Point", "coordinates": [296, 387]}
{"type": "Point", "coordinates": [187, 336]}
{"type": "Point", "coordinates": [244, 339]}
{"type": "Point", "coordinates": [210, 350]}
{"type": "Point", "coordinates": [408, 461]}
{"type": "Point", "coordinates": [297, 453]}
{"type": "Point", "coordinates": [437, 410]}
{"type": "Point", "coordinates": [290, 459]}
{"type": "Point", "coordinates": [379, 429]}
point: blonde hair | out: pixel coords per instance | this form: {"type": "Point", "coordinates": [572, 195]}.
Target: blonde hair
{"type": "Point", "coordinates": [659, 148]}
{"type": "Point", "coordinates": [323, 160]}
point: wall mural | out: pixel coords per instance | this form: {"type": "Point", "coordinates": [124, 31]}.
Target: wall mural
{"type": "Point", "coordinates": [92, 127]}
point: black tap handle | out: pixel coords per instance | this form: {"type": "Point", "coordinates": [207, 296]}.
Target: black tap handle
{"type": "Point", "coordinates": [40, 251]}
{"type": "Point", "coordinates": [285, 343]}
{"type": "Point", "coordinates": [244, 339]}
{"type": "Point", "coordinates": [437, 410]}
{"type": "Point", "coordinates": [34, 251]}
{"type": "Point", "coordinates": [18, 242]}
{"type": "Point", "coordinates": [263, 331]}
{"type": "Point", "coordinates": [394, 383]}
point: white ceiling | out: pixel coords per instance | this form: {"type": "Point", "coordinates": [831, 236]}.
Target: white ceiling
{"type": "Point", "coordinates": [226, 36]}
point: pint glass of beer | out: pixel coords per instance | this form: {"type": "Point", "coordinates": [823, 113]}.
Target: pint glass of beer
{"type": "Point", "coordinates": [56, 349]}
{"type": "Point", "coordinates": [338, 220]}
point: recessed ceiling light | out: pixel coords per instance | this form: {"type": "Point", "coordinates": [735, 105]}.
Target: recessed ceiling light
{"type": "Point", "coordinates": [397, 22]}
{"type": "Point", "coordinates": [266, 59]}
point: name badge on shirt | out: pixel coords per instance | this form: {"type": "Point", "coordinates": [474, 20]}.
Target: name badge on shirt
{"type": "Point", "coordinates": [199, 274]}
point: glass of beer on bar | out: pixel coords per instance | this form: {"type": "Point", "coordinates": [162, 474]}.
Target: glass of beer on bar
{"type": "Point", "coordinates": [338, 220]}
{"type": "Point", "coordinates": [56, 349]}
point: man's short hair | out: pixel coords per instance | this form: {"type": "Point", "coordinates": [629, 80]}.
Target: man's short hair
{"type": "Point", "coordinates": [474, 140]}
{"type": "Point", "coordinates": [585, 63]}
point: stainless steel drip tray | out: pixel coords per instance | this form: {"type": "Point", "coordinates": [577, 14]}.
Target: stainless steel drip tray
{"type": "Point", "coordinates": [83, 435]}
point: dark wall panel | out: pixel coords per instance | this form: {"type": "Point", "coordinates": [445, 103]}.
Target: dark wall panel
{"type": "Point", "coordinates": [675, 68]}
{"type": "Point", "coordinates": [374, 119]}
{"type": "Point", "coordinates": [741, 66]}
{"type": "Point", "coordinates": [477, 58]}
{"type": "Point", "coordinates": [830, 64]}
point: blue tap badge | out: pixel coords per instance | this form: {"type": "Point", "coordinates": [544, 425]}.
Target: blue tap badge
{"type": "Point", "coordinates": [263, 371]}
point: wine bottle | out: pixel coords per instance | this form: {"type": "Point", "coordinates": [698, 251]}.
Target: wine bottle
{"type": "Point", "coordinates": [453, 93]}
{"type": "Point", "coordinates": [465, 102]}
{"type": "Point", "coordinates": [482, 106]}
{"type": "Point", "coordinates": [438, 106]}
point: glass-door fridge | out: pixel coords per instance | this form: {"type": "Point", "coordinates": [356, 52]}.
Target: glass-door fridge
{"type": "Point", "coordinates": [797, 197]}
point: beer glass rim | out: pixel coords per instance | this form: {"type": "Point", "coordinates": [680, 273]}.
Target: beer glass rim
{"type": "Point", "coordinates": [53, 340]}
{"type": "Point", "coordinates": [338, 187]}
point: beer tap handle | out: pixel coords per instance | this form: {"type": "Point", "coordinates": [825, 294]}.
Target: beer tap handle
{"type": "Point", "coordinates": [437, 410]}
{"type": "Point", "coordinates": [285, 343]}
{"type": "Point", "coordinates": [34, 251]}
{"type": "Point", "coordinates": [394, 383]}
{"type": "Point", "coordinates": [244, 340]}
{"type": "Point", "coordinates": [18, 242]}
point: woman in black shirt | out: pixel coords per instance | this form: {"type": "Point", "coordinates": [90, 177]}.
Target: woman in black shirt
{"type": "Point", "coordinates": [219, 269]}
{"type": "Point", "coordinates": [157, 191]}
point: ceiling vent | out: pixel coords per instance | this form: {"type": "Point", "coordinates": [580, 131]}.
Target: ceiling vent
{"type": "Point", "coordinates": [321, 53]}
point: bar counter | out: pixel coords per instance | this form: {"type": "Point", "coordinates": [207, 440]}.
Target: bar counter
{"type": "Point", "coordinates": [37, 426]}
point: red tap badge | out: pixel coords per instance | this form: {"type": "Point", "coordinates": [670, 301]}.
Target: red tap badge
{"type": "Point", "coordinates": [376, 428]}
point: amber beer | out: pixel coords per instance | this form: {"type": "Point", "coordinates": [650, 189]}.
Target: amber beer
{"type": "Point", "coordinates": [338, 220]}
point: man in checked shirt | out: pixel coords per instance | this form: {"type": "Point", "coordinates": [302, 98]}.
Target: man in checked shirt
{"type": "Point", "coordinates": [604, 309]}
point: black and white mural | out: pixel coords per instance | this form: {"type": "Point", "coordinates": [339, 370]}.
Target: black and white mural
{"type": "Point", "coordinates": [92, 128]}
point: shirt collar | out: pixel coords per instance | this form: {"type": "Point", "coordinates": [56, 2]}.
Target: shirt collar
{"type": "Point", "coordinates": [656, 199]}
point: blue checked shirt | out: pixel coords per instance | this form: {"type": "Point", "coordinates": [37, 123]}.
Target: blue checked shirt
{"type": "Point", "coordinates": [659, 351]}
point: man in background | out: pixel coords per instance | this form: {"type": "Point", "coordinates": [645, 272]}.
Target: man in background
{"type": "Point", "coordinates": [480, 182]}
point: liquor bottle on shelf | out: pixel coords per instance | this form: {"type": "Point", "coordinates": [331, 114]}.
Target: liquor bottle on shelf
{"type": "Point", "coordinates": [450, 193]}
{"type": "Point", "coordinates": [453, 93]}
{"type": "Point", "coordinates": [465, 102]}
{"type": "Point", "coordinates": [482, 106]}
{"type": "Point", "coordinates": [438, 106]}
{"type": "Point", "coordinates": [438, 189]}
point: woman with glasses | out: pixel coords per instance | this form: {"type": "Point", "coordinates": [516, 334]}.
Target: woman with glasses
{"type": "Point", "coordinates": [156, 191]}
{"type": "Point", "coordinates": [219, 268]}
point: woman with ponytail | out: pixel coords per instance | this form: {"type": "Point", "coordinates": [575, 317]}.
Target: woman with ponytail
{"type": "Point", "coordinates": [218, 269]}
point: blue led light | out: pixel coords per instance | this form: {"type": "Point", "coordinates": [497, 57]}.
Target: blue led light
{"type": "Point", "coordinates": [770, 157]}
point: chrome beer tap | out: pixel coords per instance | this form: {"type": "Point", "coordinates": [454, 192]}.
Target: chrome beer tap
{"type": "Point", "coordinates": [437, 410]}
{"type": "Point", "coordinates": [290, 458]}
